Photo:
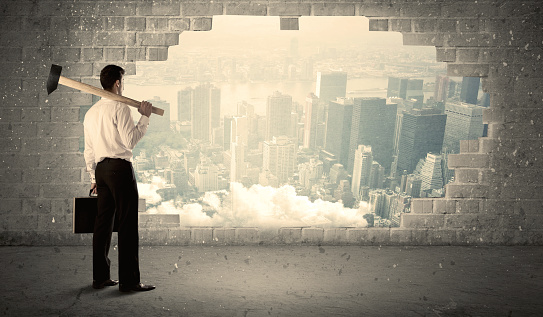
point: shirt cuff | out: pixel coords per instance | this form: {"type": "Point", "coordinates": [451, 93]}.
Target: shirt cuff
{"type": "Point", "coordinates": [144, 120]}
{"type": "Point", "coordinates": [92, 177]}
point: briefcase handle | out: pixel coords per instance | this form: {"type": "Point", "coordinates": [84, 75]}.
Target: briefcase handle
{"type": "Point", "coordinates": [90, 193]}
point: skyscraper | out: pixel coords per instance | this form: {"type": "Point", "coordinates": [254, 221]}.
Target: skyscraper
{"type": "Point", "coordinates": [227, 137]}
{"type": "Point", "coordinates": [331, 85]}
{"type": "Point", "coordinates": [205, 111]}
{"type": "Point", "coordinates": [310, 123]}
{"type": "Point", "coordinates": [184, 102]}
{"type": "Point", "coordinates": [470, 89]}
{"type": "Point", "coordinates": [405, 88]}
{"type": "Point", "coordinates": [363, 160]}
{"type": "Point", "coordinates": [373, 122]}
{"type": "Point", "coordinates": [464, 122]}
{"type": "Point", "coordinates": [206, 176]}
{"type": "Point", "coordinates": [442, 85]}
{"type": "Point", "coordinates": [237, 162]}
{"type": "Point", "coordinates": [279, 157]}
{"type": "Point", "coordinates": [338, 128]}
{"type": "Point", "coordinates": [432, 173]}
{"type": "Point", "coordinates": [278, 114]}
{"type": "Point", "coordinates": [421, 132]}
{"type": "Point", "coordinates": [160, 123]}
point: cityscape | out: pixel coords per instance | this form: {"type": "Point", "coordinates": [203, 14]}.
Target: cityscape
{"type": "Point", "coordinates": [342, 136]}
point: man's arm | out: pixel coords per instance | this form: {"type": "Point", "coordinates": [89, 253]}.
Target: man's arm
{"type": "Point", "coordinates": [131, 134]}
{"type": "Point", "coordinates": [89, 158]}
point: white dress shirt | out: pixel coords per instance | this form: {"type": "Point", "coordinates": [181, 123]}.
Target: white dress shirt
{"type": "Point", "coordinates": [110, 132]}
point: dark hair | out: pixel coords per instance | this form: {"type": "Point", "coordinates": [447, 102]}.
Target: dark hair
{"type": "Point", "coordinates": [109, 75]}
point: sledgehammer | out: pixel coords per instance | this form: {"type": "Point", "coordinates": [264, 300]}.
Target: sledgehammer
{"type": "Point", "coordinates": [55, 79]}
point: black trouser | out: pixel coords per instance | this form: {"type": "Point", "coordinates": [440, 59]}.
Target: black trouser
{"type": "Point", "coordinates": [117, 197]}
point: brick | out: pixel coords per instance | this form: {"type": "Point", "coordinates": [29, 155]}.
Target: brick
{"type": "Point", "coordinates": [290, 235]}
{"type": "Point", "coordinates": [333, 9]}
{"type": "Point", "coordinates": [468, 205]}
{"type": "Point", "coordinates": [65, 23]}
{"type": "Point", "coordinates": [445, 54]}
{"type": "Point", "coordinates": [157, 39]}
{"type": "Point", "coordinates": [201, 235]}
{"type": "Point", "coordinates": [11, 206]}
{"type": "Point", "coordinates": [16, 130]}
{"type": "Point", "coordinates": [422, 221]}
{"type": "Point", "coordinates": [444, 206]}
{"type": "Point", "coordinates": [92, 23]}
{"type": "Point", "coordinates": [420, 10]}
{"type": "Point", "coordinates": [428, 205]}
{"type": "Point", "coordinates": [154, 236]}
{"type": "Point", "coordinates": [466, 191]}
{"type": "Point", "coordinates": [468, 25]}
{"type": "Point", "coordinates": [224, 235]}
{"type": "Point", "coordinates": [114, 38]}
{"type": "Point", "coordinates": [509, 10]}
{"type": "Point", "coordinates": [117, 8]}
{"type": "Point", "coordinates": [10, 144]}
{"type": "Point", "coordinates": [136, 54]}
{"type": "Point", "coordinates": [468, 70]}
{"type": "Point", "coordinates": [179, 24]}
{"type": "Point", "coordinates": [64, 190]}
{"type": "Point", "coordinates": [289, 23]}
{"type": "Point", "coordinates": [65, 160]}
{"type": "Point", "coordinates": [489, 54]}
{"type": "Point", "coordinates": [158, 8]}
{"type": "Point", "coordinates": [470, 40]}
{"type": "Point", "coordinates": [425, 25]}
{"type": "Point", "coordinates": [11, 54]}
{"type": "Point", "coordinates": [27, 222]}
{"type": "Point", "coordinates": [114, 23]}
{"type": "Point", "coordinates": [158, 220]}
{"type": "Point", "coordinates": [92, 54]}
{"type": "Point", "coordinates": [428, 39]}
{"type": "Point", "coordinates": [11, 175]}
{"type": "Point", "coordinates": [179, 236]}
{"type": "Point", "coordinates": [447, 25]}
{"type": "Point", "coordinates": [129, 68]}
{"type": "Point", "coordinates": [416, 206]}
{"type": "Point", "coordinates": [378, 25]}
{"type": "Point", "coordinates": [467, 55]}
{"type": "Point", "coordinates": [486, 145]}
{"type": "Point", "coordinates": [466, 175]}
{"type": "Point", "coordinates": [11, 23]}
{"type": "Point", "coordinates": [135, 23]}
{"type": "Point", "coordinates": [247, 235]}
{"type": "Point", "coordinates": [469, 160]}
{"type": "Point", "coordinates": [468, 9]}
{"type": "Point", "coordinates": [19, 191]}
{"type": "Point", "coordinates": [115, 54]}
{"type": "Point", "coordinates": [291, 9]}
{"type": "Point", "coordinates": [157, 24]}
{"type": "Point", "coordinates": [357, 235]}
{"type": "Point", "coordinates": [400, 25]}
{"type": "Point", "coordinates": [312, 235]}
{"type": "Point", "coordinates": [36, 115]}
{"type": "Point", "coordinates": [16, 160]}
{"type": "Point", "coordinates": [49, 175]}
{"type": "Point", "coordinates": [79, 38]}
{"type": "Point", "coordinates": [201, 9]}
{"type": "Point", "coordinates": [378, 236]}
{"type": "Point", "coordinates": [66, 98]}
{"type": "Point", "coordinates": [473, 146]}
{"type": "Point", "coordinates": [10, 115]}
{"type": "Point", "coordinates": [379, 10]}
{"type": "Point", "coordinates": [201, 24]}
{"type": "Point", "coordinates": [157, 53]}
{"type": "Point", "coordinates": [60, 129]}
{"type": "Point", "coordinates": [441, 237]}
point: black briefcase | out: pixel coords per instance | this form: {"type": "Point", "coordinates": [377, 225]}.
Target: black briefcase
{"type": "Point", "coordinates": [84, 214]}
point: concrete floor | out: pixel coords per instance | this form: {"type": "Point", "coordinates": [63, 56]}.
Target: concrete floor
{"type": "Point", "coordinates": [280, 280]}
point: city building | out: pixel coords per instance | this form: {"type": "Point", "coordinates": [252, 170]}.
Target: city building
{"type": "Point", "coordinates": [470, 90]}
{"type": "Point", "coordinates": [266, 178]}
{"type": "Point", "coordinates": [338, 129]}
{"type": "Point", "coordinates": [206, 176]}
{"type": "Point", "coordinates": [442, 85]}
{"type": "Point", "coordinates": [363, 160]}
{"type": "Point", "coordinates": [182, 112]}
{"type": "Point", "coordinates": [278, 114]}
{"type": "Point", "coordinates": [337, 174]}
{"type": "Point", "coordinates": [406, 88]}
{"type": "Point", "coordinates": [279, 157]}
{"type": "Point", "coordinates": [421, 132]}
{"type": "Point", "coordinates": [431, 173]}
{"type": "Point", "coordinates": [310, 173]}
{"type": "Point", "coordinates": [373, 122]}
{"type": "Point", "coordinates": [160, 123]}
{"type": "Point", "coordinates": [237, 161]}
{"type": "Point", "coordinates": [205, 111]}
{"type": "Point", "coordinates": [331, 85]}
{"type": "Point", "coordinates": [227, 135]}
{"type": "Point", "coordinates": [343, 193]}
{"type": "Point", "coordinates": [464, 122]}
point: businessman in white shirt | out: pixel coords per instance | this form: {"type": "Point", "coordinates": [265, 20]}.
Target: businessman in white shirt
{"type": "Point", "coordinates": [110, 136]}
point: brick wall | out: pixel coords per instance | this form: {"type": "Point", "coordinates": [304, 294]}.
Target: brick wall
{"type": "Point", "coordinates": [497, 197]}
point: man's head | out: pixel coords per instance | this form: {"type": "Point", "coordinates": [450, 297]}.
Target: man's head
{"type": "Point", "coordinates": [111, 78]}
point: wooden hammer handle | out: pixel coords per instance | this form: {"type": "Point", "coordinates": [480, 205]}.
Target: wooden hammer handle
{"type": "Point", "coordinates": [104, 93]}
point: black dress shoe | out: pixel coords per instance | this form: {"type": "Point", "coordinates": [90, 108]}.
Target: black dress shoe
{"type": "Point", "coordinates": [136, 288]}
{"type": "Point", "coordinates": [100, 285]}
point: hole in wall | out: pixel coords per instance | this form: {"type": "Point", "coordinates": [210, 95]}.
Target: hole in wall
{"type": "Point", "coordinates": [238, 69]}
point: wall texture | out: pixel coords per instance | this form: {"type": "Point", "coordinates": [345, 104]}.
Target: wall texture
{"type": "Point", "coordinates": [497, 197]}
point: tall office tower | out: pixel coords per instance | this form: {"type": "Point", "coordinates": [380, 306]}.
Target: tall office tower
{"type": "Point", "coordinates": [245, 109]}
{"type": "Point", "coordinates": [206, 176]}
{"type": "Point", "coordinates": [205, 111]}
{"type": "Point", "coordinates": [240, 130]}
{"type": "Point", "coordinates": [413, 185]}
{"type": "Point", "coordinates": [470, 89]}
{"type": "Point", "coordinates": [337, 174]}
{"type": "Point", "coordinates": [328, 160]}
{"type": "Point", "coordinates": [310, 121]}
{"type": "Point", "coordinates": [331, 85]}
{"type": "Point", "coordinates": [343, 193]}
{"type": "Point", "coordinates": [237, 161]}
{"type": "Point", "coordinates": [442, 85]}
{"type": "Point", "coordinates": [422, 131]}
{"type": "Point", "coordinates": [217, 136]}
{"type": "Point", "coordinates": [405, 88]}
{"type": "Point", "coordinates": [278, 111]}
{"type": "Point", "coordinates": [377, 201]}
{"type": "Point", "coordinates": [432, 172]}
{"type": "Point", "coordinates": [227, 135]}
{"type": "Point", "coordinates": [306, 72]}
{"type": "Point", "coordinates": [373, 124]}
{"type": "Point", "coordinates": [279, 157]}
{"type": "Point", "coordinates": [377, 176]}
{"type": "Point", "coordinates": [184, 100]}
{"type": "Point", "coordinates": [338, 128]}
{"type": "Point", "coordinates": [160, 123]}
{"type": "Point", "coordinates": [464, 122]}
{"type": "Point", "coordinates": [363, 160]}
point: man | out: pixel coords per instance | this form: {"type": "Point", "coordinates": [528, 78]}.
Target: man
{"type": "Point", "coordinates": [110, 136]}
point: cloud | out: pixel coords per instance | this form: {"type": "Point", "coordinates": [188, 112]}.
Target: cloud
{"type": "Point", "coordinates": [263, 207]}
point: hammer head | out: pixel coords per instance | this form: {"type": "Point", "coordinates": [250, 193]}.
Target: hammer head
{"type": "Point", "coordinates": [54, 76]}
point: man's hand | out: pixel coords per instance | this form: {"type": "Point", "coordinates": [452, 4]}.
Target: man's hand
{"type": "Point", "coordinates": [145, 108]}
{"type": "Point", "coordinates": [93, 188]}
